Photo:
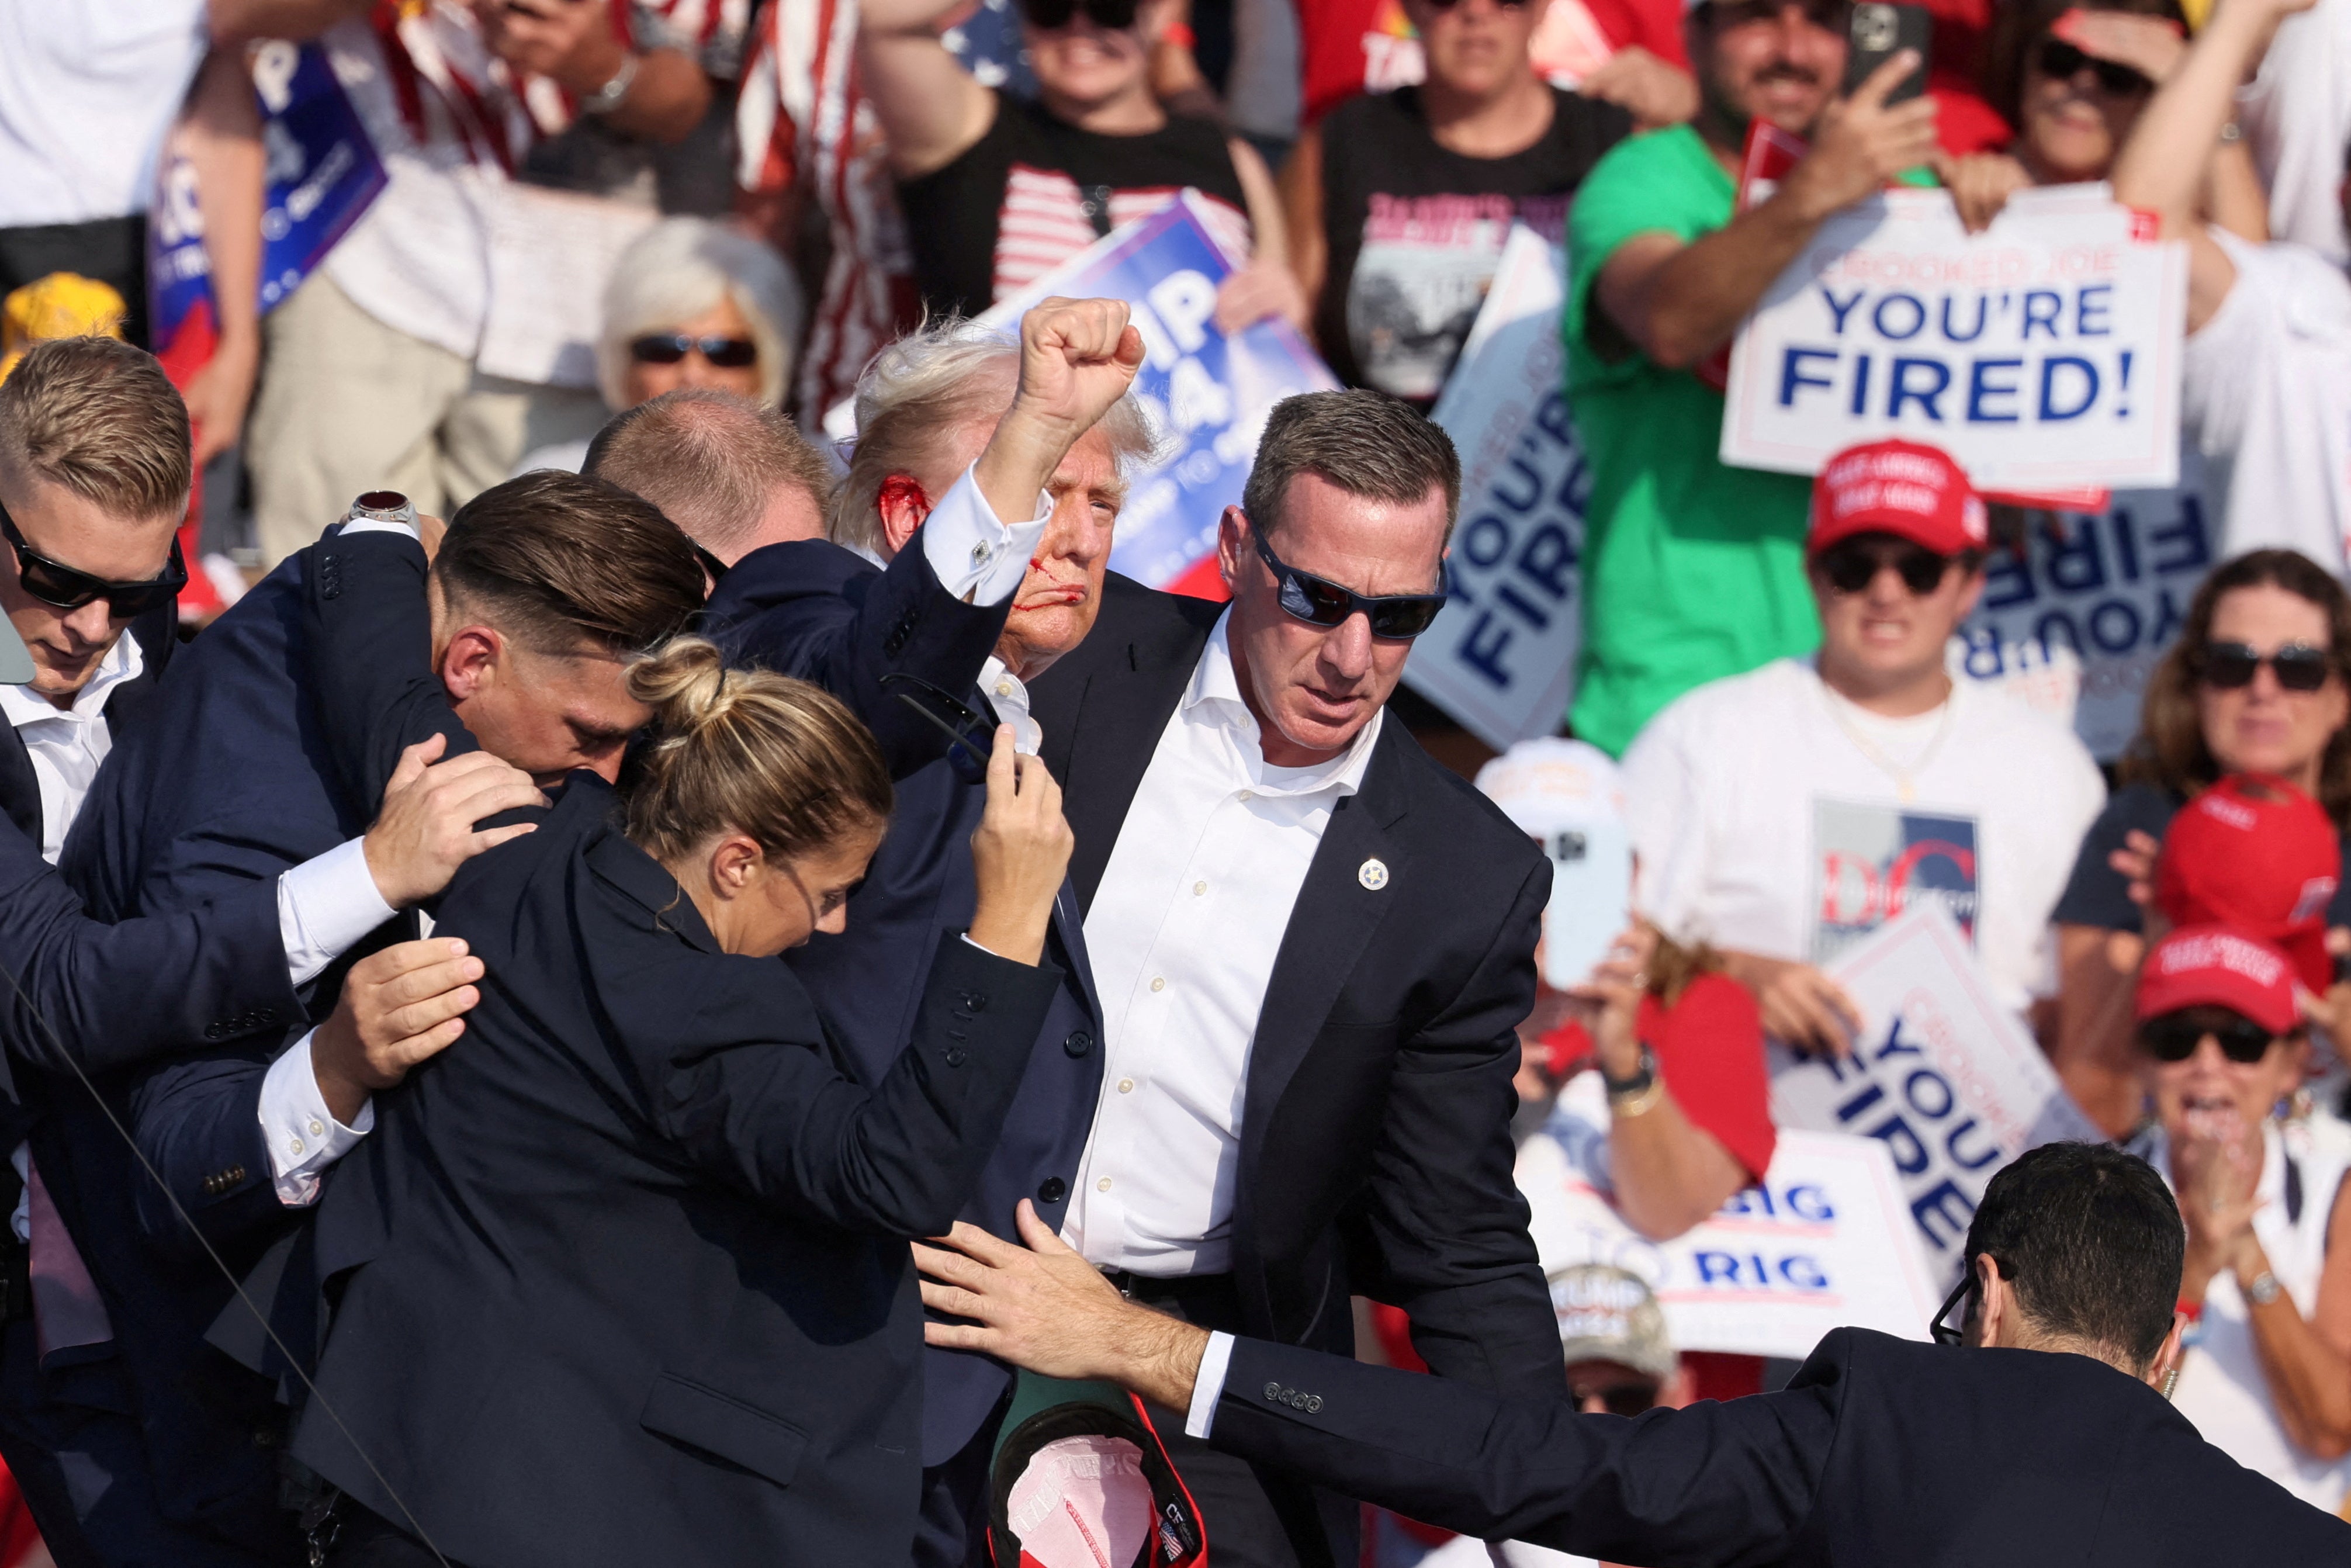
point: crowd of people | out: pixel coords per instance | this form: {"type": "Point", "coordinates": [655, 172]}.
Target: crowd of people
{"type": "Point", "coordinates": [532, 871]}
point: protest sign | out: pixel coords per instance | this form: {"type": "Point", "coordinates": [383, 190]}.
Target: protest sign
{"type": "Point", "coordinates": [1207, 394]}
{"type": "Point", "coordinates": [1944, 1076]}
{"type": "Point", "coordinates": [1824, 1242]}
{"type": "Point", "coordinates": [2043, 354]}
{"type": "Point", "coordinates": [1501, 656]}
{"type": "Point", "coordinates": [320, 173]}
{"type": "Point", "coordinates": [2106, 593]}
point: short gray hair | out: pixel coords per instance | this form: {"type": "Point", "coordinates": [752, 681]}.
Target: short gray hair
{"type": "Point", "coordinates": [1367, 442]}
{"type": "Point", "coordinates": [681, 268]}
{"type": "Point", "coordinates": [924, 389]}
{"type": "Point", "coordinates": [711, 462]}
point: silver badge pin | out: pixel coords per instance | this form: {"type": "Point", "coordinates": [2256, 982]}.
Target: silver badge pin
{"type": "Point", "coordinates": [1373, 874]}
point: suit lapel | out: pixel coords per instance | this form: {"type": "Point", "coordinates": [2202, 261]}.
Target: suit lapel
{"type": "Point", "coordinates": [20, 787]}
{"type": "Point", "coordinates": [1100, 751]}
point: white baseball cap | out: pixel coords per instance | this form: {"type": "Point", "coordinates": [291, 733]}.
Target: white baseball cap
{"type": "Point", "coordinates": [1552, 784]}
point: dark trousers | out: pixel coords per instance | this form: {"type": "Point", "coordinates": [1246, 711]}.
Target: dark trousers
{"type": "Point", "coordinates": [951, 1531]}
{"type": "Point", "coordinates": [110, 250]}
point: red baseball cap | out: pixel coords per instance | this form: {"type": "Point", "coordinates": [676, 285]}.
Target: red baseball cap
{"type": "Point", "coordinates": [1906, 488]}
{"type": "Point", "coordinates": [2255, 853]}
{"type": "Point", "coordinates": [2214, 965]}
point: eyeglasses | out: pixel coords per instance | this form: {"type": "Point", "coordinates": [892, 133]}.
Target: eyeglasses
{"type": "Point", "coordinates": [62, 586]}
{"type": "Point", "coordinates": [2063, 61]}
{"type": "Point", "coordinates": [1852, 565]}
{"type": "Point", "coordinates": [669, 348]}
{"type": "Point", "coordinates": [2174, 1037]}
{"type": "Point", "coordinates": [1318, 601]}
{"type": "Point", "coordinates": [2299, 667]}
{"type": "Point", "coordinates": [1620, 1398]}
{"type": "Point", "coordinates": [1831, 16]}
{"type": "Point", "coordinates": [968, 752]}
{"type": "Point", "coordinates": [1943, 1333]}
{"type": "Point", "coordinates": [1052, 14]}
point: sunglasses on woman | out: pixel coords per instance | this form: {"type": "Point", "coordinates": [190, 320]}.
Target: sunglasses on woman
{"type": "Point", "coordinates": [2174, 1037]}
{"type": "Point", "coordinates": [62, 586]}
{"type": "Point", "coordinates": [1318, 601]}
{"type": "Point", "coordinates": [2298, 666]}
{"type": "Point", "coordinates": [1053, 15]}
{"type": "Point", "coordinates": [1852, 565]}
{"type": "Point", "coordinates": [669, 348]}
{"type": "Point", "coordinates": [2062, 61]}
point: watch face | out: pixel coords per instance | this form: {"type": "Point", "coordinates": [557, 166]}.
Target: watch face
{"type": "Point", "coordinates": [384, 506]}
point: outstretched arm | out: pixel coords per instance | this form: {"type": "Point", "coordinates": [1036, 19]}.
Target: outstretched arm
{"type": "Point", "coordinates": [931, 110]}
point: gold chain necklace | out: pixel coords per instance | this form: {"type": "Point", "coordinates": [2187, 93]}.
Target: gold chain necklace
{"type": "Point", "coordinates": [1906, 788]}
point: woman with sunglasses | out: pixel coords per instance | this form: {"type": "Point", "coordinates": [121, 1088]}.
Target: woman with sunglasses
{"type": "Point", "coordinates": [2260, 681]}
{"type": "Point", "coordinates": [998, 191]}
{"type": "Point", "coordinates": [2267, 1279]}
{"type": "Point", "coordinates": [635, 1284]}
{"type": "Point", "coordinates": [691, 303]}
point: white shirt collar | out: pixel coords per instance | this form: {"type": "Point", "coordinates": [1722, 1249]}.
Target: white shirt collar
{"type": "Point", "coordinates": [1215, 686]}
{"type": "Point", "coordinates": [124, 662]}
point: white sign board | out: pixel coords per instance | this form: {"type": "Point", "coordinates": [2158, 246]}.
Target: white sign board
{"type": "Point", "coordinates": [1943, 1075]}
{"type": "Point", "coordinates": [1824, 1242]}
{"type": "Point", "coordinates": [1502, 656]}
{"type": "Point", "coordinates": [2042, 353]}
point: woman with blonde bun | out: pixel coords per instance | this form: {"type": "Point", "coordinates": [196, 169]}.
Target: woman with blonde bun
{"type": "Point", "coordinates": [637, 1285]}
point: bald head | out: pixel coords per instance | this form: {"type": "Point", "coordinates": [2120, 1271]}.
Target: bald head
{"type": "Point", "coordinates": [734, 476]}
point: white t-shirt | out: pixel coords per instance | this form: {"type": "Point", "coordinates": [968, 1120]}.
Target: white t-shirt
{"type": "Point", "coordinates": [88, 88]}
{"type": "Point", "coordinates": [1763, 827]}
{"type": "Point", "coordinates": [2266, 394]}
{"type": "Point", "coordinates": [2297, 114]}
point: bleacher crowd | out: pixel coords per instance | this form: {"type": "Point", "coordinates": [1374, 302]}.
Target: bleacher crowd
{"type": "Point", "coordinates": [604, 894]}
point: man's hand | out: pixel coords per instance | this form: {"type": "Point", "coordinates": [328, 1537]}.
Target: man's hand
{"type": "Point", "coordinates": [1046, 1309]}
{"type": "Point", "coordinates": [1261, 289]}
{"type": "Point", "coordinates": [218, 395]}
{"type": "Point", "coordinates": [1076, 357]}
{"type": "Point", "coordinates": [1861, 145]}
{"type": "Point", "coordinates": [425, 830]}
{"type": "Point", "coordinates": [398, 1007]}
{"type": "Point", "coordinates": [570, 41]}
{"type": "Point", "coordinates": [1802, 1007]}
{"type": "Point", "coordinates": [1655, 92]}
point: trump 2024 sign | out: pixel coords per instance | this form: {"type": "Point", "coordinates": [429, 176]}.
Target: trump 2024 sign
{"type": "Point", "coordinates": [2043, 353]}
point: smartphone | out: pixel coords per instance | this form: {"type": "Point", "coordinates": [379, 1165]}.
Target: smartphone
{"type": "Point", "coordinates": [1590, 899]}
{"type": "Point", "coordinates": [1876, 34]}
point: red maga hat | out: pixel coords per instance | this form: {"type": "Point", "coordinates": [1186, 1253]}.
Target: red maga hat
{"type": "Point", "coordinates": [2255, 853]}
{"type": "Point", "coordinates": [1906, 488]}
{"type": "Point", "coordinates": [2214, 965]}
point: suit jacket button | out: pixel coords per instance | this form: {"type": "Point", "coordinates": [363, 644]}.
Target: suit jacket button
{"type": "Point", "coordinates": [1273, 1392]}
{"type": "Point", "coordinates": [1079, 1043]}
{"type": "Point", "coordinates": [957, 1056]}
{"type": "Point", "coordinates": [1313, 1403]}
{"type": "Point", "coordinates": [1053, 1189]}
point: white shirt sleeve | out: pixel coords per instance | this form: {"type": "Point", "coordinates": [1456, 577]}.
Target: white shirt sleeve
{"type": "Point", "coordinates": [975, 557]}
{"type": "Point", "coordinates": [1207, 1383]}
{"type": "Point", "coordinates": [303, 1135]}
{"type": "Point", "coordinates": [325, 904]}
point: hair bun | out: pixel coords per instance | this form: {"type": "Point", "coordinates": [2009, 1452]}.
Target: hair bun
{"type": "Point", "coordinates": [685, 683]}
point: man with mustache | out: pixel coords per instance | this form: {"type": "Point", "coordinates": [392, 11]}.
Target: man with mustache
{"type": "Point", "coordinates": [1695, 571]}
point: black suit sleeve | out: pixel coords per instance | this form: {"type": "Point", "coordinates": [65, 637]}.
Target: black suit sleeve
{"type": "Point", "coordinates": [1441, 1228]}
{"type": "Point", "coordinates": [100, 997]}
{"type": "Point", "coordinates": [1713, 1486]}
{"type": "Point", "coordinates": [799, 609]}
{"type": "Point", "coordinates": [198, 1121]}
{"type": "Point", "coordinates": [369, 630]}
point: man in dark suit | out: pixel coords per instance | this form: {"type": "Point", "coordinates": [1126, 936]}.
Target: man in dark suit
{"type": "Point", "coordinates": [2047, 1444]}
{"type": "Point", "coordinates": [1313, 945]}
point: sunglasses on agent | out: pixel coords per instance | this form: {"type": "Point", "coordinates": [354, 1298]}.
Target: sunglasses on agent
{"type": "Point", "coordinates": [62, 586]}
{"type": "Point", "coordinates": [1318, 601]}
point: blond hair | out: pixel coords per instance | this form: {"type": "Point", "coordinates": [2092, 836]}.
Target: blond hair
{"type": "Point", "coordinates": [745, 751]}
{"type": "Point", "coordinates": [100, 418]}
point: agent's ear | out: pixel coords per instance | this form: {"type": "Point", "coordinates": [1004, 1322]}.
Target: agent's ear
{"type": "Point", "coordinates": [1232, 538]}
{"type": "Point", "coordinates": [2163, 1372]}
{"type": "Point", "coordinates": [470, 661]}
{"type": "Point", "coordinates": [904, 506]}
{"type": "Point", "coordinates": [735, 863]}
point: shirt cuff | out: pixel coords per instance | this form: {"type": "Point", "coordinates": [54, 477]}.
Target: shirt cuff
{"type": "Point", "coordinates": [1207, 1383]}
{"type": "Point", "coordinates": [977, 558]}
{"type": "Point", "coordinates": [303, 1135]}
{"type": "Point", "coordinates": [325, 904]}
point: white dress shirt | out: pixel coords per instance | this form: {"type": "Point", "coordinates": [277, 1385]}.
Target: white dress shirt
{"type": "Point", "coordinates": [1183, 935]}
{"type": "Point", "coordinates": [324, 905]}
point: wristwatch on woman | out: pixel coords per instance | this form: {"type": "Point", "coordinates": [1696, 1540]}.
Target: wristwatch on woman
{"type": "Point", "coordinates": [1631, 1096]}
{"type": "Point", "coordinates": [2264, 1289]}
{"type": "Point", "coordinates": [613, 93]}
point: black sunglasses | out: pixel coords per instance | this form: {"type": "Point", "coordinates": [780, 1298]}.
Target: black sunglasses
{"type": "Point", "coordinates": [2299, 667]}
{"type": "Point", "coordinates": [2174, 1037]}
{"type": "Point", "coordinates": [1050, 15]}
{"type": "Point", "coordinates": [1318, 601]}
{"type": "Point", "coordinates": [970, 736]}
{"type": "Point", "coordinates": [1946, 1333]}
{"type": "Point", "coordinates": [2063, 61]}
{"type": "Point", "coordinates": [1852, 565]}
{"type": "Point", "coordinates": [669, 348]}
{"type": "Point", "coordinates": [62, 586]}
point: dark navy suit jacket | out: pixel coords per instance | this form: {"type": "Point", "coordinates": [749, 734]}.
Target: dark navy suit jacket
{"type": "Point", "coordinates": [1880, 1451]}
{"type": "Point", "coordinates": [640, 1290]}
{"type": "Point", "coordinates": [808, 610]}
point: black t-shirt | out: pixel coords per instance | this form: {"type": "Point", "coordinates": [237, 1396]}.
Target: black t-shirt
{"type": "Point", "coordinates": [1416, 231]}
{"type": "Point", "coordinates": [1035, 191]}
{"type": "Point", "coordinates": [2097, 894]}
